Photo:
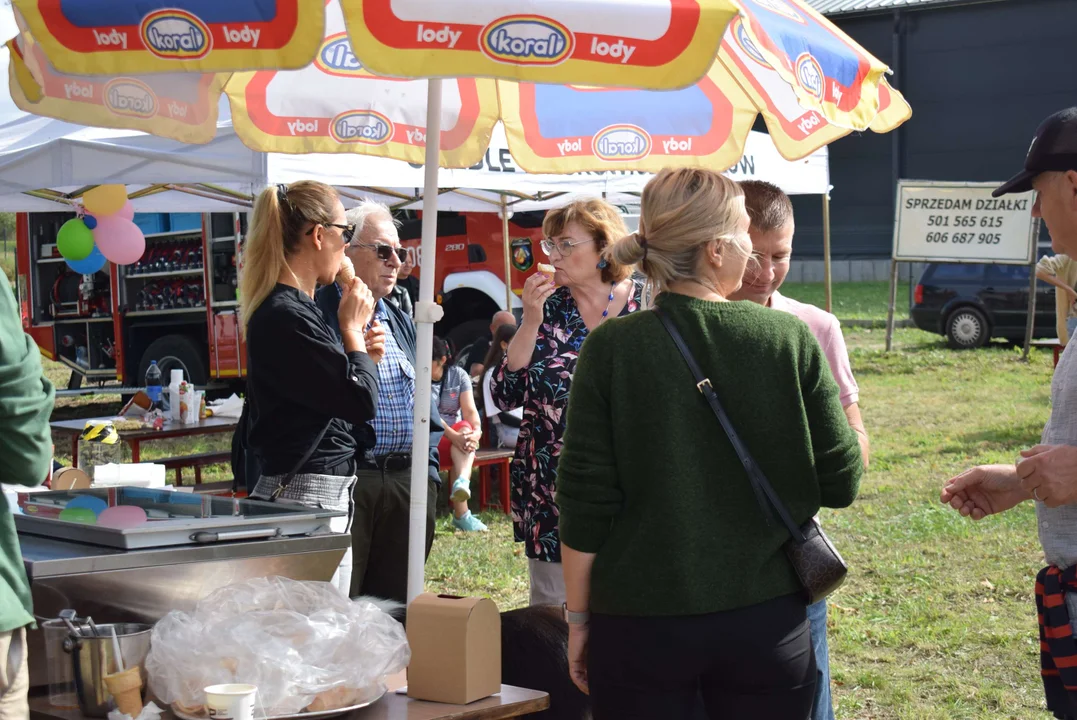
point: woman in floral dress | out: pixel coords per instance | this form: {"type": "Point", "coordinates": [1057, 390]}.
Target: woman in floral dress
{"type": "Point", "coordinates": [536, 373]}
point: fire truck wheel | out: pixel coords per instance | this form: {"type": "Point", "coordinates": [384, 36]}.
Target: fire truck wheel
{"type": "Point", "coordinates": [174, 352]}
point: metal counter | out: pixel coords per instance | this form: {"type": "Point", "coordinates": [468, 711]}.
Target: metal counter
{"type": "Point", "coordinates": [113, 585]}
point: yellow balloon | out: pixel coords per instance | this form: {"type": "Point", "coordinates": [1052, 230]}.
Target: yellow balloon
{"type": "Point", "coordinates": [105, 199]}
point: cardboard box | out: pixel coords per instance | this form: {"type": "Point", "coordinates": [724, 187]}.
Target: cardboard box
{"type": "Point", "coordinates": [455, 649]}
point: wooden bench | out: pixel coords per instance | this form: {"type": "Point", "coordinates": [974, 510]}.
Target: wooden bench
{"type": "Point", "coordinates": [223, 487]}
{"type": "Point", "coordinates": [1050, 343]}
{"type": "Point", "coordinates": [197, 462]}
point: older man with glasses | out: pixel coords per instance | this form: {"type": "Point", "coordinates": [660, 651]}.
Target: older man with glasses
{"type": "Point", "coordinates": [383, 490]}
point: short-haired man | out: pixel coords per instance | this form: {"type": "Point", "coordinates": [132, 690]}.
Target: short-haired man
{"type": "Point", "coordinates": [771, 230]}
{"type": "Point", "coordinates": [25, 454]}
{"type": "Point", "coordinates": [1046, 474]}
{"type": "Point", "coordinates": [481, 347]}
{"type": "Point", "coordinates": [383, 490]}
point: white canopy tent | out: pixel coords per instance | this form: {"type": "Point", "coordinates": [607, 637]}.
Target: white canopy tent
{"type": "Point", "coordinates": [45, 161]}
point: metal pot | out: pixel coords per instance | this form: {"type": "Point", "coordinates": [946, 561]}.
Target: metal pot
{"type": "Point", "coordinates": [93, 658]}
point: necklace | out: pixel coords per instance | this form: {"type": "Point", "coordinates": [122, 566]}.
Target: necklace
{"type": "Point", "coordinates": [606, 312]}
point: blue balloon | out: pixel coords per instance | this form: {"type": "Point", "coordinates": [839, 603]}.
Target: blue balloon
{"type": "Point", "coordinates": [89, 221]}
{"type": "Point", "coordinates": [90, 264]}
{"type": "Point", "coordinates": [89, 502]}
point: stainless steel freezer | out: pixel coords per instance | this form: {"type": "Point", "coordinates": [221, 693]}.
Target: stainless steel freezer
{"type": "Point", "coordinates": [112, 584]}
{"type": "Point", "coordinates": [131, 518]}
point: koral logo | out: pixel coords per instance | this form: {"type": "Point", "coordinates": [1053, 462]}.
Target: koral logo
{"type": "Point", "coordinates": [810, 75]}
{"type": "Point", "coordinates": [113, 38]}
{"type": "Point", "coordinates": [621, 143]}
{"type": "Point", "coordinates": [781, 8]}
{"type": "Point", "coordinates": [527, 40]}
{"type": "Point", "coordinates": [361, 126]}
{"type": "Point", "coordinates": [619, 50]}
{"type": "Point", "coordinates": [127, 96]}
{"type": "Point", "coordinates": [336, 57]}
{"type": "Point", "coordinates": [74, 90]}
{"type": "Point", "coordinates": [176, 34]}
{"type": "Point", "coordinates": [445, 36]}
{"type": "Point", "coordinates": [741, 37]}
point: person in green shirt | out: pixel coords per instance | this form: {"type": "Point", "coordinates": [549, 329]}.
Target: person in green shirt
{"type": "Point", "coordinates": [676, 581]}
{"type": "Point", "coordinates": [25, 454]}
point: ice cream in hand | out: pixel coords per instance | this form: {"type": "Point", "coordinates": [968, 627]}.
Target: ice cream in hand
{"type": "Point", "coordinates": [346, 273]}
{"type": "Point", "coordinates": [126, 689]}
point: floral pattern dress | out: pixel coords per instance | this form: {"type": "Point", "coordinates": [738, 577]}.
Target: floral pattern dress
{"type": "Point", "coordinates": [541, 389]}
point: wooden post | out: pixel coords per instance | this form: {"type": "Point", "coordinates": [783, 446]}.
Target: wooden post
{"type": "Point", "coordinates": [1030, 323]}
{"type": "Point", "coordinates": [508, 253]}
{"type": "Point", "coordinates": [826, 249]}
{"type": "Point", "coordinates": [893, 302]}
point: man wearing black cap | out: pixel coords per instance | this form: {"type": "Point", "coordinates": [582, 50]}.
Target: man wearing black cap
{"type": "Point", "coordinates": [1050, 170]}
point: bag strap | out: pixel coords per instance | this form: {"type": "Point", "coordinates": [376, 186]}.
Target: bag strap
{"type": "Point", "coordinates": [759, 482]}
{"type": "Point", "coordinates": [287, 479]}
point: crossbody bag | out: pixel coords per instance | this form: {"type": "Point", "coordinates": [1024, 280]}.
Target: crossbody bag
{"type": "Point", "coordinates": [817, 563]}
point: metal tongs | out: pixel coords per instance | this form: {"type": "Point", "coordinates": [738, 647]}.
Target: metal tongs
{"type": "Point", "coordinates": [69, 616]}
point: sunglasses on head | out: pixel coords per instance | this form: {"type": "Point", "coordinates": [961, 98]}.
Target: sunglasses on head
{"type": "Point", "coordinates": [385, 252]}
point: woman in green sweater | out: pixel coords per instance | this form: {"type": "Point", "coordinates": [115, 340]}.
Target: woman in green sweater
{"type": "Point", "coordinates": [675, 580]}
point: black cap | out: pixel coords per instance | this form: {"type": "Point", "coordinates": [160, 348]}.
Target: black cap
{"type": "Point", "coordinates": [1053, 149]}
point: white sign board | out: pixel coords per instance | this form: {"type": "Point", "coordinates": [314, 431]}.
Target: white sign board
{"type": "Point", "coordinates": [961, 222]}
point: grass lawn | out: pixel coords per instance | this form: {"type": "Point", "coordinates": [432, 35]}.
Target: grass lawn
{"type": "Point", "coordinates": [854, 300]}
{"type": "Point", "coordinates": [937, 618]}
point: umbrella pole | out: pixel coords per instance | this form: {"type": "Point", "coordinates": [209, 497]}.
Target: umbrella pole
{"type": "Point", "coordinates": [826, 248]}
{"type": "Point", "coordinates": [508, 249]}
{"type": "Point", "coordinates": [426, 314]}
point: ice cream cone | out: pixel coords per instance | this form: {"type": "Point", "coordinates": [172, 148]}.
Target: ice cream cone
{"type": "Point", "coordinates": [126, 689]}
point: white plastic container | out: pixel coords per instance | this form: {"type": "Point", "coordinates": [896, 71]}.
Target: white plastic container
{"type": "Point", "coordinates": [173, 395]}
{"type": "Point", "coordinates": [231, 702]}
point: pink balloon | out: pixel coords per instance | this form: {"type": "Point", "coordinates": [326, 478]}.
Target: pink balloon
{"type": "Point", "coordinates": [119, 239]}
{"type": "Point", "coordinates": [127, 212]}
{"type": "Point", "coordinates": [122, 517]}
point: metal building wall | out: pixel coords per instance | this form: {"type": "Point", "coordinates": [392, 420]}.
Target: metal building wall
{"type": "Point", "coordinates": [979, 78]}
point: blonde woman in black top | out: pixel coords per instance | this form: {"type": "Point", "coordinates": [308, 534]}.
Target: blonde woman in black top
{"type": "Point", "coordinates": [306, 391]}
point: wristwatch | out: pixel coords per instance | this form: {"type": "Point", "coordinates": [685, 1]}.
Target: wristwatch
{"type": "Point", "coordinates": [575, 618]}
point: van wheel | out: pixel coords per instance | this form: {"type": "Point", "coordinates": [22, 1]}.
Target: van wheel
{"type": "Point", "coordinates": [174, 352]}
{"type": "Point", "coordinates": [967, 328]}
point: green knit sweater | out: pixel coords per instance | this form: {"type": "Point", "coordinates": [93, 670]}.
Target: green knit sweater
{"type": "Point", "coordinates": [648, 481]}
{"type": "Point", "coordinates": [25, 447]}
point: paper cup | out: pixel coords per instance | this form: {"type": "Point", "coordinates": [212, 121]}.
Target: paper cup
{"type": "Point", "coordinates": [231, 702]}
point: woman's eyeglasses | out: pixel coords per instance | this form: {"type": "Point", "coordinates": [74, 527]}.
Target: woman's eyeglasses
{"type": "Point", "coordinates": [385, 252]}
{"type": "Point", "coordinates": [346, 231]}
{"type": "Point", "coordinates": [563, 247]}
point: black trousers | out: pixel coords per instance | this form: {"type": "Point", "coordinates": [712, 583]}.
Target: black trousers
{"type": "Point", "coordinates": [380, 532]}
{"type": "Point", "coordinates": [754, 663]}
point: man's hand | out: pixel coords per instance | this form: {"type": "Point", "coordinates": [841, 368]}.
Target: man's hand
{"type": "Point", "coordinates": [375, 342]}
{"type": "Point", "coordinates": [984, 490]}
{"type": "Point", "coordinates": [1048, 473]}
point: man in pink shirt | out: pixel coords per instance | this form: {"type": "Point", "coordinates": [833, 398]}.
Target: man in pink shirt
{"type": "Point", "coordinates": [772, 229]}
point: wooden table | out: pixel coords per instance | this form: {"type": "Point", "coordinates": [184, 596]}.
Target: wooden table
{"type": "Point", "coordinates": [511, 702]}
{"type": "Point", "coordinates": [135, 438]}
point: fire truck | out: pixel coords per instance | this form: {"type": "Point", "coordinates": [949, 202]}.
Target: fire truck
{"type": "Point", "coordinates": [178, 305]}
